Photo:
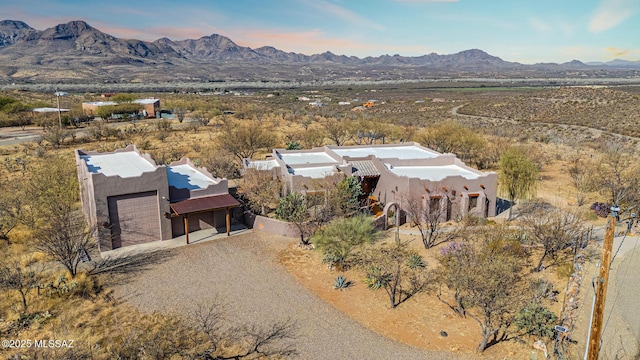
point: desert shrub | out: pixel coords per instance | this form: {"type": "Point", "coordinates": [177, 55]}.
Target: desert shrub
{"type": "Point", "coordinates": [537, 320]}
{"type": "Point", "coordinates": [340, 237]}
{"type": "Point", "coordinates": [601, 209]}
{"type": "Point", "coordinates": [565, 270]}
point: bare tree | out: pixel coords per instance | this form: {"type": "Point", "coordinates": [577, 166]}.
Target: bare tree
{"type": "Point", "coordinates": [428, 218]}
{"type": "Point", "coordinates": [55, 135]}
{"type": "Point", "coordinates": [262, 342]}
{"type": "Point", "coordinates": [338, 131]}
{"type": "Point", "coordinates": [553, 228]}
{"type": "Point", "coordinates": [485, 274]}
{"type": "Point", "coordinates": [249, 341]}
{"type": "Point", "coordinates": [579, 170]}
{"type": "Point", "coordinates": [180, 112]}
{"type": "Point", "coordinates": [244, 139]}
{"type": "Point", "coordinates": [396, 269]}
{"type": "Point", "coordinates": [261, 189]}
{"type": "Point", "coordinates": [67, 240]}
{"type": "Point", "coordinates": [294, 208]}
{"type": "Point", "coordinates": [616, 178]}
{"type": "Point", "coordinates": [10, 210]}
{"type": "Point", "coordinates": [13, 276]}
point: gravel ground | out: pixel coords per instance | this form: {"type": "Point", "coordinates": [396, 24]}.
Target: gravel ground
{"type": "Point", "coordinates": [243, 272]}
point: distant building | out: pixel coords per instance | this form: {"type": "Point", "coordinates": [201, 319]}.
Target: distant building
{"type": "Point", "coordinates": [49, 110]}
{"type": "Point", "coordinates": [391, 173]}
{"type": "Point", "coordinates": [130, 200]}
{"type": "Point", "coordinates": [149, 107]}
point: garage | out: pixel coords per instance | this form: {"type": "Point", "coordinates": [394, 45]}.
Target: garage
{"type": "Point", "coordinates": [134, 218]}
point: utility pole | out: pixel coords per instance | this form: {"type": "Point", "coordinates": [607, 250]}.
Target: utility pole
{"type": "Point", "coordinates": [58, 100]}
{"type": "Point", "coordinates": [601, 289]}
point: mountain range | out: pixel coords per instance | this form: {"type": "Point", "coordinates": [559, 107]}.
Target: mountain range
{"type": "Point", "coordinates": [77, 52]}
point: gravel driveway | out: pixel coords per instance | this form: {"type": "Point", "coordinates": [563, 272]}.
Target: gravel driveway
{"type": "Point", "coordinates": [243, 272]}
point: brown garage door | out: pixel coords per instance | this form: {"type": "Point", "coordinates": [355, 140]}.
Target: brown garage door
{"type": "Point", "coordinates": [134, 218]}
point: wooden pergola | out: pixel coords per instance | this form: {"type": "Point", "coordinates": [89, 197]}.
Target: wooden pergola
{"type": "Point", "coordinates": [204, 204]}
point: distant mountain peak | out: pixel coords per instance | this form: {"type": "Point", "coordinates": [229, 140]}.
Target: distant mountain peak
{"type": "Point", "coordinates": [70, 30]}
{"type": "Point", "coordinates": [14, 24]}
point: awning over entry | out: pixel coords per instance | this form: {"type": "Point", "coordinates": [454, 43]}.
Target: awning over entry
{"type": "Point", "coordinates": [364, 168]}
{"type": "Point", "coordinates": [207, 203]}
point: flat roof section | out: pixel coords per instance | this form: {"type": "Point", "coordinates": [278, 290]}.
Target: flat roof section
{"type": "Point", "coordinates": [300, 158]}
{"type": "Point", "coordinates": [124, 164]}
{"type": "Point", "coordinates": [391, 152]}
{"type": "Point", "coordinates": [433, 173]}
{"type": "Point", "coordinates": [263, 164]}
{"type": "Point", "coordinates": [186, 177]}
{"type": "Point", "coordinates": [317, 172]}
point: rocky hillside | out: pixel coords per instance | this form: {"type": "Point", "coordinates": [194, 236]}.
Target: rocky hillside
{"type": "Point", "coordinates": [76, 51]}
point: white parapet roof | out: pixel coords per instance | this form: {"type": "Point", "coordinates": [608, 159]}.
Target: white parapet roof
{"type": "Point", "coordinates": [263, 164]}
{"type": "Point", "coordinates": [433, 173]}
{"type": "Point", "coordinates": [387, 152]}
{"type": "Point", "coordinates": [299, 158]}
{"type": "Point", "coordinates": [317, 172]}
{"type": "Point", "coordinates": [187, 177]}
{"type": "Point", "coordinates": [124, 164]}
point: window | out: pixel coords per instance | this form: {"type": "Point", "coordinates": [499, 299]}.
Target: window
{"type": "Point", "coordinates": [434, 205]}
{"type": "Point", "coordinates": [473, 201]}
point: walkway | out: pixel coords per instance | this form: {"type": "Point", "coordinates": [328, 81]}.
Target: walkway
{"type": "Point", "coordinates": [195, 237]}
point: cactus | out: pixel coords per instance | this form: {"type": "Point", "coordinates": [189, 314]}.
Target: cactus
{"type": "Point", "coordinates": [415, 261]}
{"type": "Point", "coordinates": [341, 283]}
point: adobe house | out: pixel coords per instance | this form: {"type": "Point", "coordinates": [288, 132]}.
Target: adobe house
{"type": "Point", "coordinates": [391, 173]}
{"type": "Point", "coordinates": [128, 199]}
{"type": "Point", "coordinates": [149, 107]}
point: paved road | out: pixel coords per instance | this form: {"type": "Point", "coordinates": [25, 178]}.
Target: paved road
{"type": "Point", "coordinates": [244, 273]}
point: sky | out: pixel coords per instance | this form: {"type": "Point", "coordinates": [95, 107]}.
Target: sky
{"type": "Point", "coordinates": [525, 31]}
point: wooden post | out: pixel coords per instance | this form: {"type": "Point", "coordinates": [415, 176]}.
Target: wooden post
{"type": "Point", "coordinates": [186, 226]}
{"type": "Point", "coordinates": [228, 222]}
{"type": "Point", "coordinates": [601, 291]}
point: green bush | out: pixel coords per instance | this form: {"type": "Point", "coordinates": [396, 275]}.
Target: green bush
{"type": "Point", "coordinates": [537, 320]}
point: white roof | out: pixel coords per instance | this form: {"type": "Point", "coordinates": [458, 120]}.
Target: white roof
{"type": "Point", "coordinates": [48, 110]}
{"type": "Point", "coordinates": [317, 172]}
{"type": "Point", "coordinates": [187, 177]}
{"type": "Point", "coordinates": [145, 101]}
{"type": "Point", "coordinates": [387, 152]}
{"type": "Point", "coordinates": [101, 103]}
{"type": "Point", "coordinates": [298, 158]}
{"type": "Point", "coordinates": [107, 103]}
{"type": "Point", "coordinates": [433, 173]}
{"type": "Point", "coordinates": [124, 164]}
{"type": "Point", "coordinates": [263, 164]}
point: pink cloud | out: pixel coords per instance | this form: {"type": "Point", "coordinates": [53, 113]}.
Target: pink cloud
{"type": "Point", "coordinates": [153, 33]}
{"type": "Point", "coordinates": [315, 42]}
